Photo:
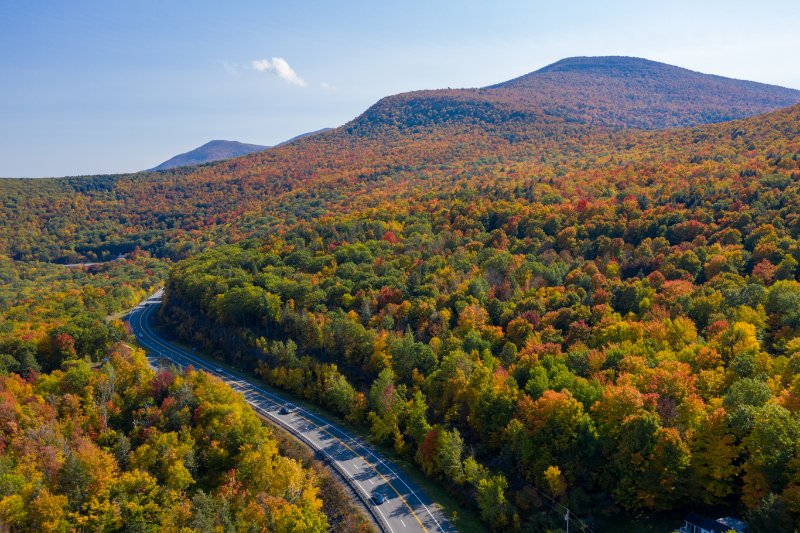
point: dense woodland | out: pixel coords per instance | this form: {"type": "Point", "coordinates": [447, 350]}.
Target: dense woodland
{"type": "Point", "coordinates": [50, 314]}
{"type": "Point", "coordinates": [622, 339]}
{"type": "Point", "coordinates": [119, 447]}
{"type": "Point", "coordinates": [93, 439]}
{"type": "Point", "coordinates": [538, 303]}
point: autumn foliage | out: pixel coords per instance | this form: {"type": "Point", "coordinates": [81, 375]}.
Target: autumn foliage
{"type": "Point", "coordinates": [616, 330]}
{"type": "Point", "coordinates": [517, 287]}
{"type": "Point", "coordinates": [119, 447]}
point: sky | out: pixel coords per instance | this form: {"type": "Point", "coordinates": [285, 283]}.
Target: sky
{"type": "Point", "coordinates": [93, 87]}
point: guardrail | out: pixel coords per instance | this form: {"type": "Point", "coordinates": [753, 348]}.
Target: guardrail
{"type": "Point", "coordinates": [330, 461]}
{"type": "Point", "coordinates": [326, 458]}
{"type": "Point", "coordinates": [360, 492]}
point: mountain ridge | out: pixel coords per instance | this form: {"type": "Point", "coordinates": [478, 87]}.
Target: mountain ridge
{"type": "Point", "coordinates": [606, 91]}
{"type": "Point", "coordinates": [304, 135]}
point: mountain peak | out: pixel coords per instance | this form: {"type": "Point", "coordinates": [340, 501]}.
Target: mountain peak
{"type": "Point", "coordinates": [620, 64]}
{"type": "Point", "coordinates": [210, 151]}
{"type": "Point", "coordinates": [603, 91]}
{"type": "Point", "coordinates": [620, 91]}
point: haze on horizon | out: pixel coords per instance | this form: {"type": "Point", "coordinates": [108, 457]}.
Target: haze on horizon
{"type": "Point", "coordinates": [90, 87]}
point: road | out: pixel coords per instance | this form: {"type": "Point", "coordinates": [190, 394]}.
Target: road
{"type": "Point", "coordinates": [405, 507]}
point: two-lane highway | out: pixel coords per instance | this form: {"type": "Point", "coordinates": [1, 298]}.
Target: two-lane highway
{"type": "Point", "coordinates": [395, 501]}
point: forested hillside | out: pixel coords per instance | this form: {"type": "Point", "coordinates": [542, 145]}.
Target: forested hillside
{"type": "Point", "coordinates": [615, 329]}
{"type": "Point", "coordinates": [635, 92]}
{"type": "Point", "coordinates": [403, 143]}
{"type": "Point", "coordinates": [49, 314]}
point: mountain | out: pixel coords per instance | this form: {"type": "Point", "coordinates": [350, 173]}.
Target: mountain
{"type": "Point", "coordinates": [635, 92]}
{"type": "Point", "coordinates": [211, 151]}
{"type": "Point", "coordinates": [219, 150]}
{"type": "Point", "coordinates": [600, 91]}
{"type": "Point", "coordinates": [423, 140]}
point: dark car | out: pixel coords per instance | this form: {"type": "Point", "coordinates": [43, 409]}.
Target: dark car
{"type": "Point", "coordinates": [283, 411]}
{"type": "Point", "coordinates": [377, 499]}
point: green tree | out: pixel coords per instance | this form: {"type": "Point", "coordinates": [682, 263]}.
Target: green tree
{"type": "Point", "coordinates": [449, 448]}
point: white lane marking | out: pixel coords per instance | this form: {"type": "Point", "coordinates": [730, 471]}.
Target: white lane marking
{"type": "Point", "coordinates": [404, 524]}
{"type": "Point", "coordinates": [203, 365]}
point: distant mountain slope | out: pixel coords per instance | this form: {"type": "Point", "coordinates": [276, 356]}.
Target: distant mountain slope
{"type": "Point", "coordinates": [211, 151]}
{"type": "Point", "coordinates": [304, 135]}
{"type": "Point", "coordinates": [600, 91]}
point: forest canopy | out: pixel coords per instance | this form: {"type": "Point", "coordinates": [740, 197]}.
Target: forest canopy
{"type": "Point", "coordinates": [617, 335]}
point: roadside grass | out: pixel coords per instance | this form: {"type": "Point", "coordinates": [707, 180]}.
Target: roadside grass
{"type": "Point", "coordinates": [461, 517]}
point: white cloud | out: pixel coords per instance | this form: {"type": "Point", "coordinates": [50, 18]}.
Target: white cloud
{"type": "Point", "coordinates": [327, 86]}
{"type": "Point", "coordinates": [280, 67]}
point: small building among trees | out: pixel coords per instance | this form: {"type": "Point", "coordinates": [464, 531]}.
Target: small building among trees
{"type": "Point", "coordinates": [695, 523]}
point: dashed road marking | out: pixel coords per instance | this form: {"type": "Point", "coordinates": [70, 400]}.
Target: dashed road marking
{"type": "Point", "coordinates": [203, 365]}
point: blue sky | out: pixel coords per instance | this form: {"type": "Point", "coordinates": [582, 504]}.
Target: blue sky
{"type": "Point", "coordinates": [112, 86]}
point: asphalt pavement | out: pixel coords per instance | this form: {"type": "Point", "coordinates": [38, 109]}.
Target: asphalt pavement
{"type": "Point", "coordinates": [394, 500]}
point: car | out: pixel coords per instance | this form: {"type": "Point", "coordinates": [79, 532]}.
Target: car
{"type": "Point", "coordinates": [141, 336]}
{"type": "Point", "coordinates": [377, 499]}
{"type": "Point", "coordinates": [283, 410]}
{"type": "Point", "coordinates": [218, 370]}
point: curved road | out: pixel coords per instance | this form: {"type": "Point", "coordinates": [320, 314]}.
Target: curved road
{"type": "Point", "coordinates": [404, 507]}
